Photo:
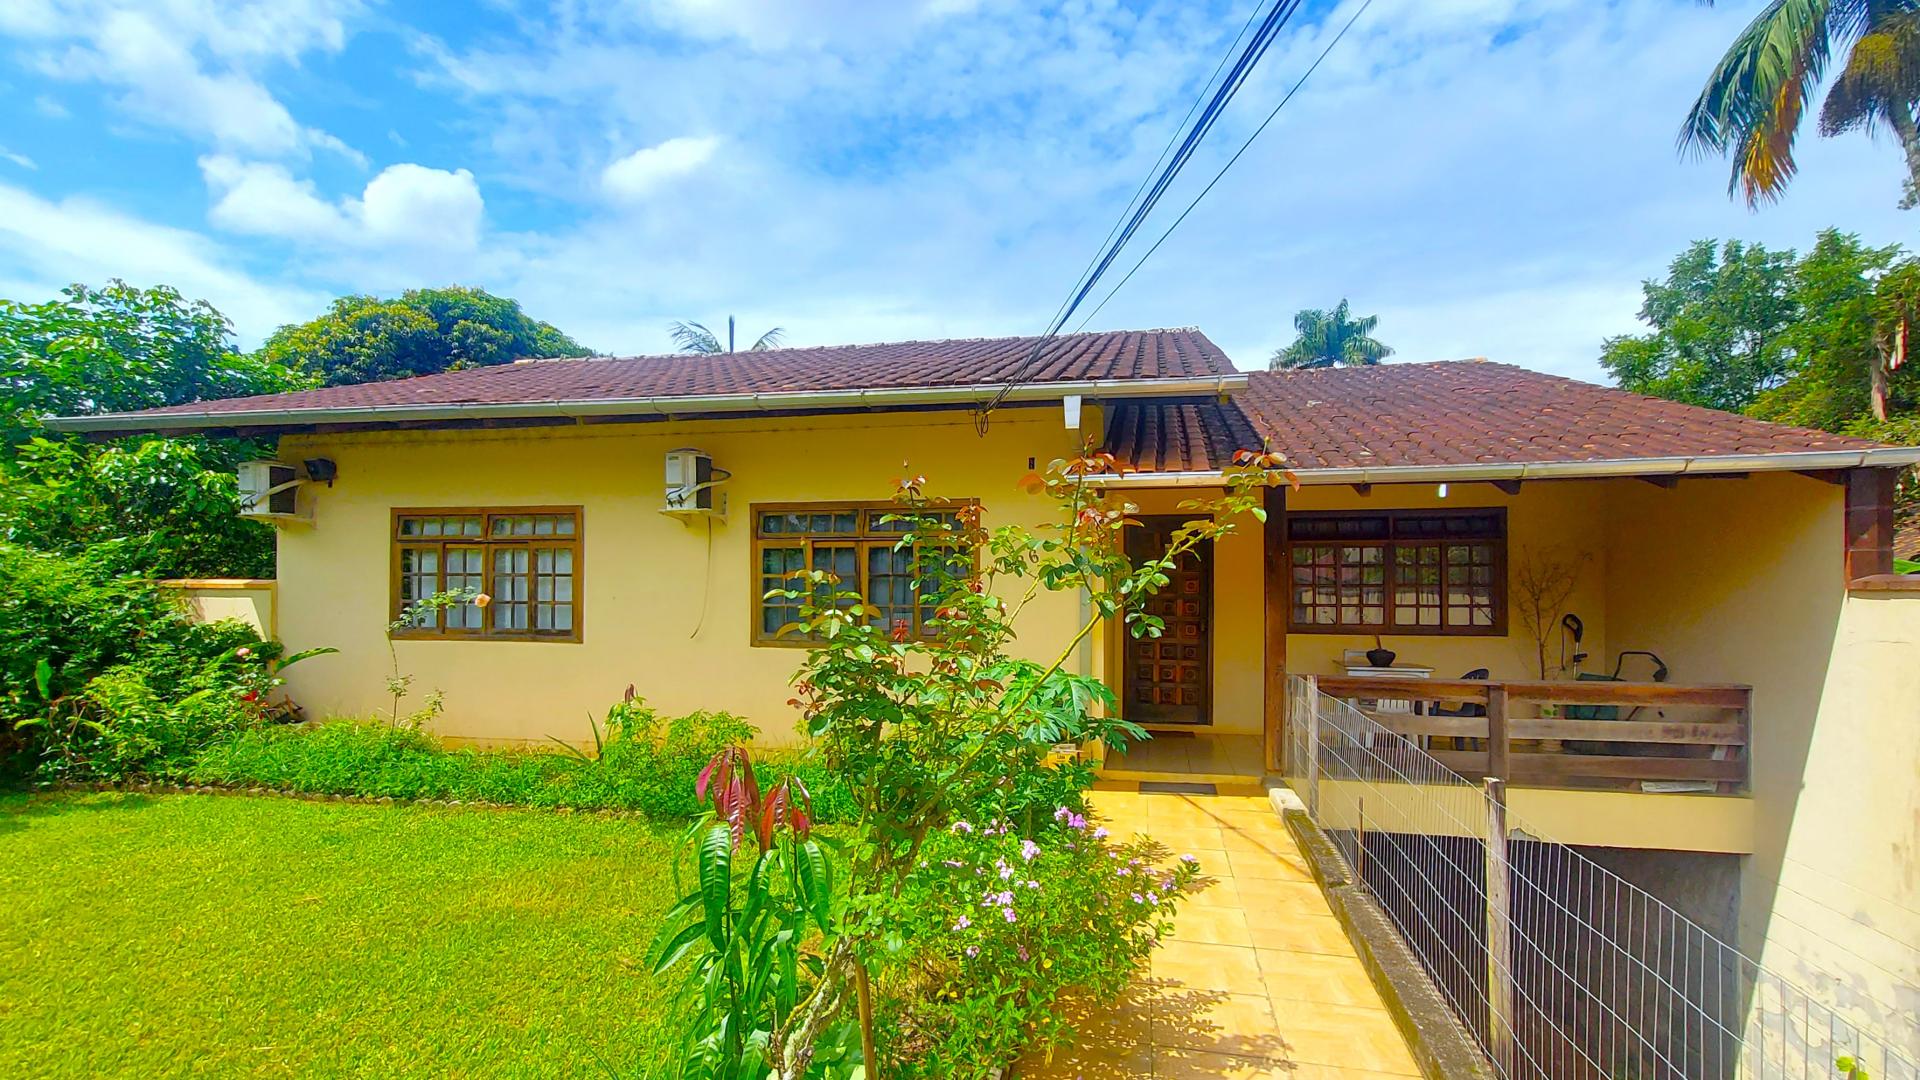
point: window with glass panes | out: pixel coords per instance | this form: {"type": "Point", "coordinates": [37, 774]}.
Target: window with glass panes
{"type": "Point", "coordinates": [1398, 572]}
{"type": "Point", "coordinates": [525, 560]}
{"type": "Point", "coordinates": [858, 545]}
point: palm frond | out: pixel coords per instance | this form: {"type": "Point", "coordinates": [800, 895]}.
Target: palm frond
{"type": "Point", "coordinates": [769, 340]}
{"type": "Point", "coordinates": [691, 337]}
{"type": "Point", "coordinates": [1882, 73]}
{"type": "Point", "coordinates": [1753, 100]}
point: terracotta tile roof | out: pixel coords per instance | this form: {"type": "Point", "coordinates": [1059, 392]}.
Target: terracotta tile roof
{"type": "Point", "coordinates": [1448, 413]}
{"type": "Point", "coordinates": [1119, 354]}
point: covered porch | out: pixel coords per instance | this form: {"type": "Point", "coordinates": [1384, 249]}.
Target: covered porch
{"type": "Point", "coordinates": [1666, 683]}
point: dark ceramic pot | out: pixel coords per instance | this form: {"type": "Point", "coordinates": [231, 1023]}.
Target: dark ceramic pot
{"type": "Point", "coordinates": [1381, 657]}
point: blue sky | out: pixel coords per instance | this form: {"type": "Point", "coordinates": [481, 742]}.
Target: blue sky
{"type": "Point", "coordinates": [1492, 177]}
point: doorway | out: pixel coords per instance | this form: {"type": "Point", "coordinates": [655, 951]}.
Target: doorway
{"type": "Point", "coordinates": [1168, 681]}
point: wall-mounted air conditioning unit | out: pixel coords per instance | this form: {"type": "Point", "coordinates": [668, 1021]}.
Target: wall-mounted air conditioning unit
{"type": "Point", "coordinates": [270, 492]}
{"type": "Point", "coordinates": [692, 483]}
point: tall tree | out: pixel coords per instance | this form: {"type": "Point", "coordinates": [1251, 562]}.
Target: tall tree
{"type": "Point", "coordinates": [1834, 371]}
{"type": "Point", "coordinates": [1331, 338]}
{"type": "Point", "coordinates": [116, 348]}
{"type": "Point", "coordinates": [423, 331]}
{"type": "Point", "coordinates": [1720, 321]}
{"type": "Point", "coordinates": [691, 337]}
{"type": "Point", "coordinates": [1756, 98]}
{"type": "Point", "coordinates": [1896, 310]}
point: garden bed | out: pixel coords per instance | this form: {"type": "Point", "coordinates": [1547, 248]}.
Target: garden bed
{"type": "Point", "coordinates": [151, 935]}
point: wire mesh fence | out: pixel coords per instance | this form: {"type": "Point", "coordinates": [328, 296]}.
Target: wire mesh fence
{"type": "Point", "coordinates": [1557, 966]}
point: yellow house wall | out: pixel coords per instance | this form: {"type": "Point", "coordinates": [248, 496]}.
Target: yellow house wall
{"type": "Point", "coordinates": [1569, 516]}
{"type": "Point", "coordinates": [665, 606]}
{"type": "Point", "coordinates": [1741, 581]}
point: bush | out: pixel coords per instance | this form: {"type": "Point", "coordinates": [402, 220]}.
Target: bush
{"type": "Point", "coordinates": [106, 677]}
{"type": "Point", "coordinates": [642, 763]}
{"type": "Point", "coordinates": [993, 930]}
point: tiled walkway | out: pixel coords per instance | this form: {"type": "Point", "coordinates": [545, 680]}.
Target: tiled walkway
{"type": "Point", "coordinates": [1258, 979]}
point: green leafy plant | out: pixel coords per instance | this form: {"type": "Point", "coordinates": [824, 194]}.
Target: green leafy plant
{"type": "Point", "coordinates": [742, 933]}
{"type": "Point", "coordinates": [924, 731]}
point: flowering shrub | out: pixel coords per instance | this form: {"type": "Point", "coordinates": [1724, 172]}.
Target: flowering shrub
{"type": "Point", "coordinates": [926, 732]}
{"type": "Point", "coordinates": [993, 927]}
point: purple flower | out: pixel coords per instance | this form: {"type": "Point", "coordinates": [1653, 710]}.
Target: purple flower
{"type": "Point", "coordinates": [1028, 849]}
{"type": "Point", "coordinates": [1076, 822]}
{"type": "Point", "coordinates": [973, 951]}
{"type": "Point", "coordinates": [1062, 814]}
{"type": "Point", "coordinates": [1138, 899]}
{"type": "Point", "coordinates": [1032, 884]}
{"type": "Point", "coordinates": [1189, 859]}
{"type": "Point", "coordinates": [1008, 912]}
{"type": "Point", "coordinates": [962, 923]}
{"type": "Point", "coordinates": [955, 863]}
{"type": "Point", "coordinates": [1100, 833]}
{"type": "Point", "coordinates": [1005, 870]}
{"type": "Point", "coordinates": [960, 827]}
{"type": "Point", "coordinates": [1023, 953]}
{"type": "Point", "coordinates": [1123, 872]}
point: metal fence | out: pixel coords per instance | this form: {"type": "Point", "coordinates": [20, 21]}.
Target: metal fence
{"type": "Point", "coordinates": [1558, 966]}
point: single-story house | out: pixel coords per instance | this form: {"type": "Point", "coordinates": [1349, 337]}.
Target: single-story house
{"type": "Point", "coordinates": [1744, 564]}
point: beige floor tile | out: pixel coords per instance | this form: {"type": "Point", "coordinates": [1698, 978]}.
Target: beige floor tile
{"type": "Point", "coordinates": [1277, 903]}
{"type": "Point", "coordinates": [1217, 892]}
{"type": "Point", "coordinates": [1325, 1034]}
{"type": "Point", "coordinates": [1306, 933]}
{"type": "Point", "coordinates": [1177, 840]}
{"type": "Point", "coordinates": [1086, 1059]}
{"type": "Point", "coordinates": [1258, 866]}
{"type": "Point", "coordinates": [1328, 978]}
{"type": "Point", "coordinates": [1240, 841]}
{"type": "Point", "coordinates": [1178, 1064]}
{"type": "Point", "coordinates": [1212, 926]}
{"type": "Point", "coordinates": [1204, 966]}
{"type": "Point", "coordinates": [1238, 1024]}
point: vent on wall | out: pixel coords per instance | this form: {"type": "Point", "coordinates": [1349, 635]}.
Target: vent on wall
{"type": "Point", "coordinates": [270, 492]}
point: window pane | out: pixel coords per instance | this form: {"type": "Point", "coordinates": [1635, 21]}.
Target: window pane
{"type": "Point", "coordinates": [465, 568]}
{"type": "Point", "coordinates": [890, 588]}
{"type": "Point", "coordinates": [776, 566]}
{"type": "Point", "coordinates": [510, 588]}
{"type": "Point", "coordinates": [419, 579]}
{"type": "Point", "coordinates": [553, 576]}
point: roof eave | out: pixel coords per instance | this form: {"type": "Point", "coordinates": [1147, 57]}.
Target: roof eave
{"type": "Point", "coordinates": [1885, 457]}
{"type": "Point", "coordinates": [658, 405]}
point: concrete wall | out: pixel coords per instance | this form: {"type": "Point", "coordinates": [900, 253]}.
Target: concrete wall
{"type": "Point", "coordinates": [1741, 581]}
{"type": "Point", "coordinates": [666, 605]}
{"type": "Point", "coordinates": [251, 600]}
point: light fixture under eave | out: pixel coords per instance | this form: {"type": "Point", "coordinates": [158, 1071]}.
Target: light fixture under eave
{"type": "Point", "coordinates": [1442, 492]}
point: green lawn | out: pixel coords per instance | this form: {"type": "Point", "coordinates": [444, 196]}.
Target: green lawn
{"type": "Point", "coordinates": [174, 935]}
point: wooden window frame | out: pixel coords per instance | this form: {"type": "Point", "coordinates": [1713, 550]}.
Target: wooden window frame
{"type": "Point", "coordinates": [488, 545]}
{"type": "Point", "coordinates": [1390, 545]}
{"type": "Point", "coordinates": [862, 538]}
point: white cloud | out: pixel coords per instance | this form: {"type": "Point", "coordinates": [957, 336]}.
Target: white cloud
{"type": "Point", "coordinates": [415, 205]}
{"type": "Point", "coordinates": [46, 244]}
{"type": "Point", "coordinates": [21, 160]}
{"type": "Point", "coordinates": [640, 173]}
{"type": "Point", "coordinates": [405, 206]}
{"type": "Point", "coordinates": [188, 66]}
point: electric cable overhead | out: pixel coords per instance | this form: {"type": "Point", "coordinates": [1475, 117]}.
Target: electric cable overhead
{"type": "Point", "coordinates": [1166, 169]}
{"type": "Point", "coordinates": [1294, 89]}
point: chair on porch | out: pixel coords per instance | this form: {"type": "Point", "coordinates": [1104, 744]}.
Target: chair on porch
{"type": "Point", "coordinates": [1465, 708]}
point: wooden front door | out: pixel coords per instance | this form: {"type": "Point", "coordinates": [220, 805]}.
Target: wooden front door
{"type": "Point", "coordinates": [1169, 679]}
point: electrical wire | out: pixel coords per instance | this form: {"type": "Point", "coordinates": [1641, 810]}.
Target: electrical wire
{"type": "Point", "coordinates": [1298, 83]}
{"type": "Point", "coordinates": [1277, 16]}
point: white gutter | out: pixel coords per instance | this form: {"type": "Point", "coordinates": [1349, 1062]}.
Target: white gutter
{"type": "Point", "coordinates": [867, 398]}
{"type": "Point", "coordinates": [1701, 465]}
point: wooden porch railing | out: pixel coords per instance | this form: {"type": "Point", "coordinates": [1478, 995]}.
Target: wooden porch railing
{"type": "Point", "coordinates": [1666, 736]}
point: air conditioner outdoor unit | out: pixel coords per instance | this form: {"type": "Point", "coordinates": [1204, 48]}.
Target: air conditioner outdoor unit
{"type": "Point", "coordinates": [270, 492]}
{"type": "Point", "coordinates": [691, 483]}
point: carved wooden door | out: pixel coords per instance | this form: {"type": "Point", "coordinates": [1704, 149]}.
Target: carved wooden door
{"type": "Point", "coordinates": [1168, 680]}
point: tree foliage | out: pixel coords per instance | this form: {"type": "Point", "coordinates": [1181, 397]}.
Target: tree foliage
{"type": "Point", "coordinates": [117, 348]}
{"type": "Point", "coordinates": [423, 331]}
{"type": "Point", "coordinates": [1773, 334]}
{"type": "Point", "coordinates": [1755, 99]}
{"type": "Point", "coordinates": [1331, 338]}
{"type": "Point", "coordinates": [692, 337]}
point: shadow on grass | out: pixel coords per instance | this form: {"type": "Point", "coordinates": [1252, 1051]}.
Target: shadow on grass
{"type": "Point", "coordinates": [17, 808]}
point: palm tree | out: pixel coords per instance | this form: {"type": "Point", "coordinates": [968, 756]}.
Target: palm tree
{"type": "Point", "coordinates": [694, 338]}
{"type": "Point", "coordinates": [1330, 338]}
{"type": "Point", "coordinates": [1753, 102]}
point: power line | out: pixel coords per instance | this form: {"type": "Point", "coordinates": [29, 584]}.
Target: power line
{"type": "Point", "coordinates": [1138, 208]}
{"type": "Point", "coordinates": [1298, 83]}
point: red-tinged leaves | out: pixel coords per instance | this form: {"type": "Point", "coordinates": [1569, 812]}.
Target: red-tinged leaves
{"type": "Point", "coordinates": [728, 782]}
{"type": "Point", "coordinates": [788, 805]}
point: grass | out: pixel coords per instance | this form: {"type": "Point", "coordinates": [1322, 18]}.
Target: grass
{"type": "Point", "coordinates": [206, 935]}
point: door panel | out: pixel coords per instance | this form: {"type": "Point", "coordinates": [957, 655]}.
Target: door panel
{"type": "Point", "coordinates": [1169, 680]}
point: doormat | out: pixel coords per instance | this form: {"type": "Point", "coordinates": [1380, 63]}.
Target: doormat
{"type": "Point", "coordinates": [1156, 787]}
